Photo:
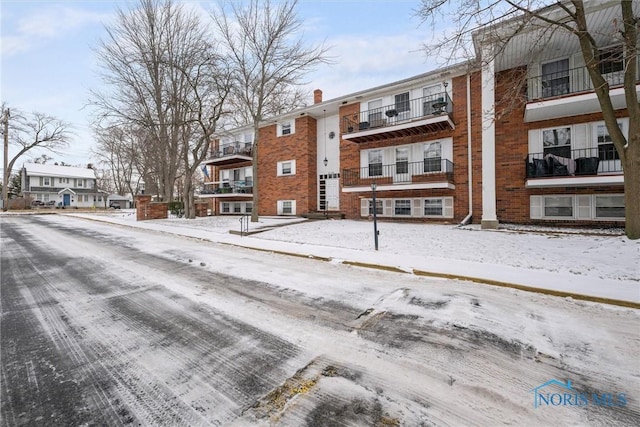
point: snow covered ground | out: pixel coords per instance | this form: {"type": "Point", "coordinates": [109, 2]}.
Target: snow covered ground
{"type": "Point", "coordinates": [593, 263]}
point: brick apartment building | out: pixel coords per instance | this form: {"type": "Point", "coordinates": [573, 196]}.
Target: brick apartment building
{"type": "Point", "coordinates": [437, 150]}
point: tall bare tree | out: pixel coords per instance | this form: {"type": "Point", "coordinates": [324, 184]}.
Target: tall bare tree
{"type": "Point", "coordinates": [508, 19]}
{"type": "Point", "coordinates": [30, 132]}
{"type": "Point", "coordinates": [117, 151]}
{"type": "Point", "coordinates": [269, 60]}
{"type": "Point", "coordinates": [163, 70]}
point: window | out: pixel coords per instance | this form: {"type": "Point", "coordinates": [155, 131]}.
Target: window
{"type": "Point", "coordinates": [378, 207]}
{"type": "Point", "coordinates": [555, 78]}
{"type": "Point", "coordinates": [611, 61]}
{"type": "Point", "coordinates": [46, 181]}
{"type": "Point", "coordinates": [286, 128]}
{"type": "Point", "coordinates": [558, 206]}
{"type": "Point", "coordinates": [403, 207]}
{"type": "Point", "coordinates": [402, 102]}
{"type": "Point", "coordinates": [375, 113]}
{"type": "Point", "coordinates": [557, 141]}
{"type": "Point", "coordinates": [237, 207]}
{"type": "Point", "coordinates": [402, 160]}
{"type": "Point", "coordinates": [375, 162]}
{"type": "Point", "coordinates": [606, 149]}
{"type": "Point", "coordinates": [287, 167]}
{"type": "Point", "coordinates": [433, 157]}
{"type": "Point", "coordinates": [225, 207]}
{"type": "Point", "coordinates": [433, 207]}
{"type": "Point", "coordinates": [610, 206]}
{"type": "Point", "coordinates": [286, 207]}
{"type": "Point", "coordinates": [79, 182]}
{"type": "Point", "coordinates": [248, 207]}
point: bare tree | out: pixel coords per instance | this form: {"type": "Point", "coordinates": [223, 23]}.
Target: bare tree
{"type": "Point", "coordinates": [269, 61]}
{"type": "Point", "coordinates": [117, 151]}
{"type": "Point", "coordinates": [510, 18]}
{"type": "Point", "coordinates": [155, 58]}
{"type": "Point", "coordinates": [30, 132]}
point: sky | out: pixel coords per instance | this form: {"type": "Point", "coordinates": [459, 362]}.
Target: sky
{"type": "Point", "coordinates": [48, 62]}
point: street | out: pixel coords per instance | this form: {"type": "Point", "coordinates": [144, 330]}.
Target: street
{"type": "Point", "coordinates": [110, 325]}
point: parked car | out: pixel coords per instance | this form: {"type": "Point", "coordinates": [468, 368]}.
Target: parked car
{"type": "Point", "coordinates": [114, 205]}
{"type": "Point", "coordinates": [37, 203]}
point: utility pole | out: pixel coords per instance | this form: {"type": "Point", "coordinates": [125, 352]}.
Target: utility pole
{"type": "Point", "coordinates": [5, 179]}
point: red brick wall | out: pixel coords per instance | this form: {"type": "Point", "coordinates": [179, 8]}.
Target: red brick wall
{"type": "Point", "coordinates": [512, 148]}
{"type": "Point", "coordinates": [145, 209]}
{"type": "Point", "coordinates": [300, 146]}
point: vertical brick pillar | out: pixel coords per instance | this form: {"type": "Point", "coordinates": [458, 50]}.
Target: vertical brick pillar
{"type": "Point", "coordinates": [142, 207]}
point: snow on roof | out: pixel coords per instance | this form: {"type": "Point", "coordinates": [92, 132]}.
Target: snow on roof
{"type": "Point", "coordinates": [38, 169]}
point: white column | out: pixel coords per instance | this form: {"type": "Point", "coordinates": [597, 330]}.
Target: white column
{"type": "Point", "coordinates": [489, 218]}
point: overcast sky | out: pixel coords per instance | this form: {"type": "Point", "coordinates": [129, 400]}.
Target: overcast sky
{"type": "Point", "coordinates": [48, 64]}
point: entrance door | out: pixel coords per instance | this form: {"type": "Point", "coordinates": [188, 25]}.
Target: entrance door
{"type": "Point", "coordinates": [333, 194]}
{"type": "Point", "coordinates": [66, 199]}
{"type": "Point", "coordinates": [329, 186]}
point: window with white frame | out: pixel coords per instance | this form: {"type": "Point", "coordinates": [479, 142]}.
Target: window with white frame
{"type": "Point", "coordinates": [433, 157]}
{"type": "Point", "coordinates": [611, 60]}
{"type": "Point", "coordinates": [609, 206]}
{"type": "Point", "coordinates": [237, 207]}
{"type": "Point", "coordinates": [248, 207]}
{"type": "Point", "coordinates": [433, 207]}
{"type": "Point", "coordinates": [402, 160]}
{"type": "Point", "coordinates": [402, 103]}
{"type": "Point", "coordinates": [225, 207]}
{"type": "Point", "coordinates": [286, 207]}
{"type": "Point", "coordinates": [557, 141]}
{"type": "Point", "coordinates": [79, 182]}
{"type": "Point", "coordinates": [606, 149]}
{"type": "Point", "coordinates": [45, 197]}
{"type": "Point", "coordinates": [286, 128]}
{"type": "Point", "coordinates": [374, 113]}
{"type": "Point", "coordinates": [378, 207]}
{"type": "Point", "coordinates": [287, 167]}
{"type": "Point", "coordinates": [555, 78]}
{"type": "Point", "coordinates": [558, 206]}
{"type": "Point", "coordinates": [375, 162]}
{"type": "Point", "coordinates": [45, 181]}
{"type": "Point", "coordinates": [402, 207]}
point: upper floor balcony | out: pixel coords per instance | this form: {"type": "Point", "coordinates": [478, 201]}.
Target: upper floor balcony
{"type": "Point", "coordinates": [240, 188]}
{"type": "Point", "coordinates": [230, 153]}
{"type": "Point", "coordinates": [570, 92]}
{"type": "Point", "coordinates": [429, 173]}
{"type": "Point", "coordinates": [563, 167]}
{"type": "Point", "coordinates": [414, 116]}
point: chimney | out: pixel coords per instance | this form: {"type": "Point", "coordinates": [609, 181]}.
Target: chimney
{"type": "Point", "coordinates": [317, 96]}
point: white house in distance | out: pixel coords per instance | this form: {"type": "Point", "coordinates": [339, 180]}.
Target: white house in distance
{"type": "Point", "coordinates": [61, 186]}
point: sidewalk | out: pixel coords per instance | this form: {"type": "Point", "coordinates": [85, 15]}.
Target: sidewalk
{"type": "Point", "coordinates": [597, 286]}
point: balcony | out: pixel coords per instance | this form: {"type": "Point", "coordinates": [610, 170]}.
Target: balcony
{"type": "Point", "coordinates": [227, 154]}
{"type": "Point", "coordinates": [429, 173]}
{"type": "Point", "coordinates": [563, 167]}
{"type": "Point", "coordinates": [416, 116]}
{"type": "Point", "coordinates": [227, 189]}
{"type": "Point", "coordinates": [569, 93]}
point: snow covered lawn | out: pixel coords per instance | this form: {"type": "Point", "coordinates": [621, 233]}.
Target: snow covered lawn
{"type": "Point", "coordinates": [604, 265]}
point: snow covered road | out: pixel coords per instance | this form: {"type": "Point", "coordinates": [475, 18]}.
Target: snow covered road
{"type": "Point", "coordinates": [109, 325]}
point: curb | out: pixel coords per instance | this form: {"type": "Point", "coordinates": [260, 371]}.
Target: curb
{"type": "Point", "coordinates": [423, 273]}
